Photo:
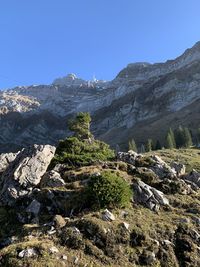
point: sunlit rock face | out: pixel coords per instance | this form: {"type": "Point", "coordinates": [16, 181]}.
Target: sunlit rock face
{"type": "Point", "coordinates": [142, 94]}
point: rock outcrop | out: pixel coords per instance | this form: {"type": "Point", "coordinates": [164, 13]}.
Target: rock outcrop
{"type": "Point", "coordinates": [193, 178]}
{"type": "Point", "coordinates": [25, 172]}
{"type": "Point", "coordinates": [161, 168]}
{"type": "Point", "coordinates": [5, 160]}
{"type": "Point", "coordinates": [149, 196]}
{"type": "Point", "coordinates": [52, 217]}
{"type": "Point", "coordinates": [52, 179]}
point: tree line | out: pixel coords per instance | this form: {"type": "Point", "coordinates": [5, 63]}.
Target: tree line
{"type": "Point", "coordinates": [180, 137]}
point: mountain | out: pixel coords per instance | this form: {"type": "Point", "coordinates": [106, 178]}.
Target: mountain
{"type": "Point", "coordinates": [81, 204]}
{"type": "Point", "coordinates": [143, 101]}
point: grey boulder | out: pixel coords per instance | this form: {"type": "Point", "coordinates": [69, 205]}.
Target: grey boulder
{"type": "Point", "coordinates": [179, 168]}
{"type": "Point", "coordinates": [5, 160]}
{"type": "Point", "coordinates": [161, 168]}
{"type": "Point", "coordinates": [25, 172]}
{"type": "Point", "coordinates": [51, 179]}
{"type": "Point", "coordinates": [193, 178]}
{"type": "Point", "coordinates": [128, 157]}
{"type": "Point", "coordinates": [149, 196]}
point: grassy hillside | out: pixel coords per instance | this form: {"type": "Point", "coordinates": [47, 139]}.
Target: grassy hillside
{"type": "Point", "coordinates": [189, 157]}
{"type": "Point", "coordinates": [138, 236]}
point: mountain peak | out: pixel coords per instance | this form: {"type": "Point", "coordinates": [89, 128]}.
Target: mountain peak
{"type": "Point", "coordinates": [197, 45]}
{"type": "Point", "coordinates": [69, 79]}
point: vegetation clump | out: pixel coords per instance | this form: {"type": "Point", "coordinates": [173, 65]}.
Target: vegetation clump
{"type": "Point", "coordinates": [81, 149]}
{"type": "Point", "coordinates": [109, 190]}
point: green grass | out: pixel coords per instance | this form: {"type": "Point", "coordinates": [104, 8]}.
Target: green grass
{"type": "Point", "coordinates": [105, 243]}
{"type": "Point", "coordinates": [190, 157]}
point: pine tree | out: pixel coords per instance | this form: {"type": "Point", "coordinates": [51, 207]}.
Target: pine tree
{"type": "Point", "coordinates": [169, 141]}
{"type": "Point", "coordinates": [187, 137]}
{"type": "Point", "coordinates": [198, 135]}
{"type": "Point", "coordinates": [179, 137]}
{"type": "Point", "coordinates": [132, 145]}
{"type": "Point", "coordinates": [158, 145]}
{"type": "Point", "coordinates": [171, 132]}
{"type": "Point", "coordinates": [149, 145]}
{"type": "Point", "coordinates": [142, 149]}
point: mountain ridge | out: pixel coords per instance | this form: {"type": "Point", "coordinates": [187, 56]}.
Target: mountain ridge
{"type": "Point", "coordinates": [139, 93]}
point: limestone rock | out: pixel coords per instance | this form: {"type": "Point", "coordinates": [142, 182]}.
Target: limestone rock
{"type": "Point", "coordinates": [25, 172]}
{"type": "Point", "coordinates": [5, 160]}
{"type": "Point", "coordinates": [125, 225]}
{"type": "Point", "coordinates": [161, 168]}
{"type": "Point", "coordinates": [108, 216]}
{"type": "Point", "coordinates": [51, 179]}
{"type": "Point", "coordinates": [64, 257]}
{"type": "Point", "coordinates": [194, 178]}
{"type": "Point", "coordinates": [59, 221]}
{"type": "Point", "coordinates": [53, 250]}
{"type": "Point", "coordinates": [149, 196]}
{"type": "Point", "coordinates": [27, 253]}
{"type": "Point", "coordinates": [175, 185]}
{"type": "Point", "coordinates": [52, 231]}
{"type": "Point", "coordinates": [128, 157]}
{"type": "Point", "coordinates": [179, 168]}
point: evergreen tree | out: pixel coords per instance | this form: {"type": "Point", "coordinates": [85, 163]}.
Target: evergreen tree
{"type": "Point", "coordinates": [169, 141]}
{"type": "Point", "coordinates": [198, 135]}
{"type": "Point", "coordinates": [142, 149]}
{"type": "Point", "coordinates": [179, 137]}
{"type": "Point", "coordinates": [183, 137]}
{"type": "Point", "coordinates": [187, 137]}
{"type": "Point", "coordinates": [149, 145]}
{"type": "Point", "coordinates": [158, 145]}
{"type": "Point", "coordinates": [132, 145]}
{"type": "Point", "coordinates": [171, 132]}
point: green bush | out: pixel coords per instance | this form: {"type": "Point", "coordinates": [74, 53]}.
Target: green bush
{"type": "Point", "coordinates": [108, 190]}
{"type": "Point", "coordinates": [76, 153]}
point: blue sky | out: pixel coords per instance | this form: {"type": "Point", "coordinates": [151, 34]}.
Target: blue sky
{"type": "Point", "coordinates": [44, 39]}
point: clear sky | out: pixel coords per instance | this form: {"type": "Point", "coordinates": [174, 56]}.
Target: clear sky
{"type": "Point", "coordinates": [44, 39]}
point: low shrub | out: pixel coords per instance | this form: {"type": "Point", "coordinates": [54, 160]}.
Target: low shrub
{"type": "Point", "coordinates": [108, 190]}
{"type": "Point", "coordinates": [76, 153]}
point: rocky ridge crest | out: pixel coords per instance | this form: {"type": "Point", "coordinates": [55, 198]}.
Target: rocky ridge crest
{"type": "Point", "coordinates": [141, 96]}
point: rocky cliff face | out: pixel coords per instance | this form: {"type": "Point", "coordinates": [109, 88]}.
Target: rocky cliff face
{"type": "Point", "coordinates": [136, 103]}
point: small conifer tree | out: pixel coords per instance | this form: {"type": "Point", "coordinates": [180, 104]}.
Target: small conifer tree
{"type": "Point", "coordinates": [171, 132]}
{"type": "Point", "coordinates": [187, 137]}
{"type": "Point", "coordinates": [198, 135]}
{"type": "Point", "coordinates": [149, 145]}
{"type": "Point", "coordinates": [132, 145]}
{"type": "Point", "coordinates": [158, 145]}
{"type": "Point", "coordinates": [169, 141]}
{"type": "Point", "coordinates": [179, 137]}
{"type": "Point", "coordinates": [142, 149]}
